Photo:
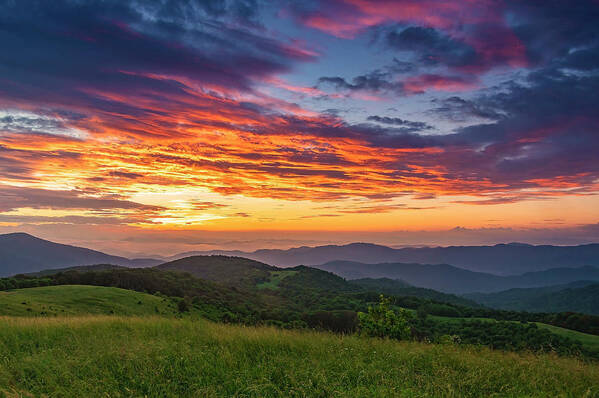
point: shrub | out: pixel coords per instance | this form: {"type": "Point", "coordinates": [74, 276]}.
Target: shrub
{"type": "Point", "coordinates": [382, 321]}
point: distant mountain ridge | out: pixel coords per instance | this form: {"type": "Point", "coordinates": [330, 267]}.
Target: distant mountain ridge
{"type": "Point", "coordinates": [580, 296]}
{"type": "Point", "coordinates": [24, 253]}
{"type": "Point", "coordinates": [395, 287]}
{"type": "Point", "coordinates": [501, 259]}
{"type": "Point", "coordinates": [449, 279]}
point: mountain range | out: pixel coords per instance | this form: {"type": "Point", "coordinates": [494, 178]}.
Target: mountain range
{"type": "Point", "coordinates": [580, 296]}
{"type": "Point", "coordinates": [501, 259]}
{"type": "Point", "coordinates": [24, 253]}
{"type": "Point", "coordinates": [557, 289]}
{"type": "Point", "coordinates": [449, 279]}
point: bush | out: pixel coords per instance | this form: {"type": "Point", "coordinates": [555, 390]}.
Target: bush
{"type": "Point", "coordinates": [382, 321]}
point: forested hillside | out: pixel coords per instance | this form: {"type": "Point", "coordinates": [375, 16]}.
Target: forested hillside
{"type": "Point", "coordinates": [582, 296]}
{"type": "Point", "coordinates": [304, 297]}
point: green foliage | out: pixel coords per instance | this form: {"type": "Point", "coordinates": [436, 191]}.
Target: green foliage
{"type": "Point", "coordinates": [503, 335]}
{"type": "Point", "coordinates": [382, 321]}
{"type": "Point", "coordinates": [275, 278]}
{"type": "Point", "coordinates": [309, 298]}
{"type": "Point", "coordinates": [183, 305]}
{"type": "Point", "coordinates": [232, 271]}
{"type": "Point", "coordinates": [20, 282]}
{"type": "Point", "coordinates": [335, 321]}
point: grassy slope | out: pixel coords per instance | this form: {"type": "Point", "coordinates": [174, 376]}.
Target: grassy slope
{"type": "Point", "coordinates": [588, 340]}
{"type": "Point", "coordinates": [79, 300]}
{"type": "Point", "coordinates": [158, 357]}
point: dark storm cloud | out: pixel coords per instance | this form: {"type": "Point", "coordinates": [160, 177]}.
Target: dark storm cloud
{"type": "Point", "coordinates": [459, 109]}
{"type": "Point", "coordinates": [541, 128]}
{"type": "Point", "coordinates": [549, 129]}
{"type": "Point", "coordinates": [557, 31]}
{"type": "Point", "coordinates": [431, 46]}
{"type": "Point", "coordinates": [79, 48]}
{"type": "Point", "coordinates": [375, 81]}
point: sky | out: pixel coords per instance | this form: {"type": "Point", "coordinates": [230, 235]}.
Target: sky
{"type": "Point", "coordinates": [155, 127]}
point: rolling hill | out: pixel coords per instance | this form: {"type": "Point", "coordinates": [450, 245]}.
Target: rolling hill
{"type": "Point", "coordinates": [22, 253]}
{"type": "Point", "coordinates": [582, 296]}
{"type": "Point", "coordinates": [77, 300]}
{"type": "Point", "coordinates": [296, 297]}
{"type": "Point", "coordinates": [222, 269]}
{"type": "Point", "coordinates": [501, 259]}
{"type": "Point", "coordinates": [449, 279]}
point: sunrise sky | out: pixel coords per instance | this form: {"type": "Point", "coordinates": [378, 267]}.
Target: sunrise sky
{"type": "Point", "coordinates": [156, 127]}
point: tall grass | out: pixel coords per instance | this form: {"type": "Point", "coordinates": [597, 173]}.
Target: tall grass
{"type": "Point", "coordinates": [159, 357]}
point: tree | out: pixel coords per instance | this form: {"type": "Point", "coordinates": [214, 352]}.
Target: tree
{"type": "Point", "coordinates": [382, 321]}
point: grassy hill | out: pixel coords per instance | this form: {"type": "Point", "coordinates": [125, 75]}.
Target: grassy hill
{"type": "Point", "coordinates": [286, 297]}
{"type": "Point", "coordinates": [82, 300]}
{"type": "Point", "coordinates": [160, 357]}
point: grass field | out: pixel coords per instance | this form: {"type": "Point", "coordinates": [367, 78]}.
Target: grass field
{"type": "Point", "coordinates": [67, 341]}
{"type": "Point", "coordinates": [82, 300]}
{"type": "Point", "coordinates": [160, 357]}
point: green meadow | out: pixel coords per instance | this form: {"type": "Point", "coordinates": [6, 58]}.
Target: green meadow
{"type": "Point", "coordinates": [94, 341]}
{"type": "Point", "coordinates": [71, 300]}
{"type": "Point", "coordinates": [116, 356]}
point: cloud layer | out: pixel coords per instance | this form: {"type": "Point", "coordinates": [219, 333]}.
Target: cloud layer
{"type": "Point", "coordinates": [104, 105]}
